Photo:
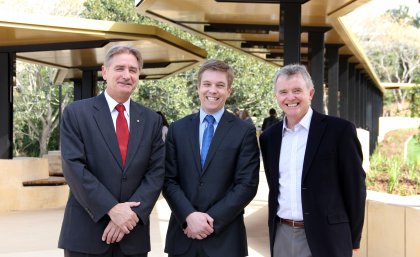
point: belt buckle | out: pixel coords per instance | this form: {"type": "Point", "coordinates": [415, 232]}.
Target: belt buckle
{"type": "Point", "coordinates": [293, 224]}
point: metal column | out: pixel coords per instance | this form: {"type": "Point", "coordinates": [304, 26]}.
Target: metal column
{"type": "Point", "coordinates": [86, 87]}
{"type": "Point", "coordinates": [316, 68]}
{"type": "Point", "coordinates": [333, 67]}
{"type": "Point", "coordinates": [344, 86]}
{"type": "Point", "coordinates": [352, 93]}
{"type": "Point", "coordinates": [7, 78]}
{"type": "Point", "coordinates": [358, 99]}
{"type": "Point", "coordinates": [291, 26]}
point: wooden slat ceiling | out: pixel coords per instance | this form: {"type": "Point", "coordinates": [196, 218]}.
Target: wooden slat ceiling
{"type": "Point", "coordinates": [252, 26]}
{"type": "Point", "coordinates": [73, 44]}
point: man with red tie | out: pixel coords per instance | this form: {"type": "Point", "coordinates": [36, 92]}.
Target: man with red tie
{"type": "Point", "coordinates": [113, 160]}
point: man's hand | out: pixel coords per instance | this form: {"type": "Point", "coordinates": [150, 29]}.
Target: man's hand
{"type": "Point", "coordinates": [122, 215]}
{"type": "Point", "coordinates": [112, 233]}
{"type": "Point", "coordinates": [199, 225]}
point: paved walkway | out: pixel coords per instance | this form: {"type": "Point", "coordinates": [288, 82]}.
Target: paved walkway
{"type": "Point", "coordinates": [35, 233]}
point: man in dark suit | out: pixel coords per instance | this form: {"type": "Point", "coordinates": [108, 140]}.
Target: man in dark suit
{"type": "Point", "coordinates": [113, 161]}
{"type": "Point", "coordinates": [313, 165]}
{"type": "Point", "coordinates": [270, 120]}
{"type": "Point", "coordinates": [207, 192]}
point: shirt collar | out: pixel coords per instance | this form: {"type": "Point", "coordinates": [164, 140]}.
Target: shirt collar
{"type": "Point", "coordinates": [305, 122]}
{"type": "Point", "coordinates": [217, 115]}
{"type": "Point", "coordinates": [112, 103]}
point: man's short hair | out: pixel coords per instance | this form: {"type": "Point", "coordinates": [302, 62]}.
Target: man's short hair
{"type": "Point", "coordinates": [291, 70]}
{"type": "Point", "coordinates": [119, 49]}
{"type": "Point", "coordinates": [216, 65]}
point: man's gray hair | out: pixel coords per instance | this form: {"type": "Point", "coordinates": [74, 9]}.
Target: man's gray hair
{"type": "Point", "coordinates": [119, 49]}
{"type": "Point", "coordinates": [291, 70]}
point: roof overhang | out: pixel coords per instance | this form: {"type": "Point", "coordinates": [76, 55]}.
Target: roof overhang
{"type": "Point", "coordinates": [253, 26]}
{"type": "Point", "coordinates": [74, 44]}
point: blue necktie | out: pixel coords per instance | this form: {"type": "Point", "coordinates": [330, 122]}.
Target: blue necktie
{"type": "Point", "coordinates": [207, 136]}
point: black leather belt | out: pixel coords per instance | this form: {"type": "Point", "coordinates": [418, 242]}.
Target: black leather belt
{"type": "Point", "coordinates": [291, 223]}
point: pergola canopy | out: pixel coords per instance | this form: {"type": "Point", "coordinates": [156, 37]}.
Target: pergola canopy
{"type": "Point", "coordinates": [256, 26]}
{"type": "Point", "coordinates": [74, 44]}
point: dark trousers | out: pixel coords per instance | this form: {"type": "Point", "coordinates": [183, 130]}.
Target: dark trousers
{"type": "Point", "coordinates": [114, 251]}
{"type": "Point", "coordinates": [196, 250]}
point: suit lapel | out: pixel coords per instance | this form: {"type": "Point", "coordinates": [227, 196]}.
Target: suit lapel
{"type": "Point", "coordinates": [275, 142]}
{"type": "Point", "coordinates": [103, 119]}
{"type": "Point", "coordinates": [221, 131]}
{"type": "Point", "coordinates": [316, 131]}
{"type": "Point", "coordinates": [136, 131]}
{"type": "Point", "coordinates": [194, 129]}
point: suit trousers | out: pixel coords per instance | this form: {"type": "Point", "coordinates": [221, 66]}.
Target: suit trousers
{"type": "Point", "coordinates": [195, 250]}
{"type": "Point", "coordinates": [290, 242]}
{"type": "Point", "coordinates": [114, 251]}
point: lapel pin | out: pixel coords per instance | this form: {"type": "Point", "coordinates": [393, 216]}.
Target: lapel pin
{"type": "Point", "coordinates": [138, 121]}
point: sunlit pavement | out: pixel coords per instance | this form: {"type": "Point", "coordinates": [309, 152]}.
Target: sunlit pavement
{"type": "Point", "coordinates": [35, 233]}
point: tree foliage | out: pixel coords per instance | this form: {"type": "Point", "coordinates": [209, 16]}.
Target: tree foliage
{"type": "Point", "coordinates": [392, 43]}
{"type": "Point", "coordinates": [36, 109]}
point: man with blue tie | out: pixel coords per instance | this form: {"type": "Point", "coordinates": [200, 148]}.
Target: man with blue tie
{"type": "Point", "coordinates": [212, 166]}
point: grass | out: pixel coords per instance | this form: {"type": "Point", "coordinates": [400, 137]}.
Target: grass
{"type": "Point", "coordinates": [389, 172]}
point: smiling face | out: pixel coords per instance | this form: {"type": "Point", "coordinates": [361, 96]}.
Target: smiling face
{"type": "Point", "coordinates": [213, 90]}
{"type": "Point", "coordinates": [294, 97]}
{"type": "Point", "coordinates": [121, 75]}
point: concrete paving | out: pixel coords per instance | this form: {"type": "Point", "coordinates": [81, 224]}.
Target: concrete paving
{"type": "Point", "coordinates": [35, 233]}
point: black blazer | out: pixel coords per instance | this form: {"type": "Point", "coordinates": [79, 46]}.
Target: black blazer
{"type": "Point", "coordinates": [92, 166]}
{"type": "Point", "coordinates": [333, 185]}
{"type": "Point", "coordinates": [225, 186]}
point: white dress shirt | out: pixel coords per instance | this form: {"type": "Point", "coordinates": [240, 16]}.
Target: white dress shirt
{"type": "Point", "coordinates": [292, 155]}
{"type": "Point", "coordinates": [114, 113]}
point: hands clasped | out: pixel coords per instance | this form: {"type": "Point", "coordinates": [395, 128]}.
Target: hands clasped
{"type": "Point", "coordinates": [123, 219]}
{"type": "Point", "coordinates": [199, 225]}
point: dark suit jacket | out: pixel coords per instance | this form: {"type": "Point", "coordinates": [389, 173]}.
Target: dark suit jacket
{"type": "Point", "coordinates": [92, 166]}
{"type": "Point", "coordinates": [269, 121]}
{"type": "Point", "coordinates": [227, 183]}
{"type": "Point", "coordinates": [333, 185]}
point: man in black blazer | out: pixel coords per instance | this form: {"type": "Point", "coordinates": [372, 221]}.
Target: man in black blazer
{"type": "Point", "coordinates": [207, 193]}
{"type": "Point", "coordinates": [313, 165]}
{"type": "Point", "coordinates": [270, 120]}
{"type": "Point", "coordinates": [114, 184]}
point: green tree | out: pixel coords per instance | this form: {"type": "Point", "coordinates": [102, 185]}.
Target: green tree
{"type": "Point", "coordinates": [36, 109]}
{"type": "Point", "coordinates": [392, 43]}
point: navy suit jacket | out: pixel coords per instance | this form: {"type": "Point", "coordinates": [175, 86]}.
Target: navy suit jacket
{"type": "Point", "coordinates": [223, 188]}
{"type": "Point", "coordinates": [333, 185]}
{"type": "Point", "coordinates": [92, 166]}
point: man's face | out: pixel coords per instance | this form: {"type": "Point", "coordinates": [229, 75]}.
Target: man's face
{"type": "Point", "coordinates": [122, 76]}
{"type": "Point", "coordinates": [293, 97]}
{"type": "Point", "coordinates": [213, 90]}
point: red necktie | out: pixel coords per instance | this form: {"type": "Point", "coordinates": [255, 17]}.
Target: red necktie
{"type": "Point", "coordinates": [122, 131]}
